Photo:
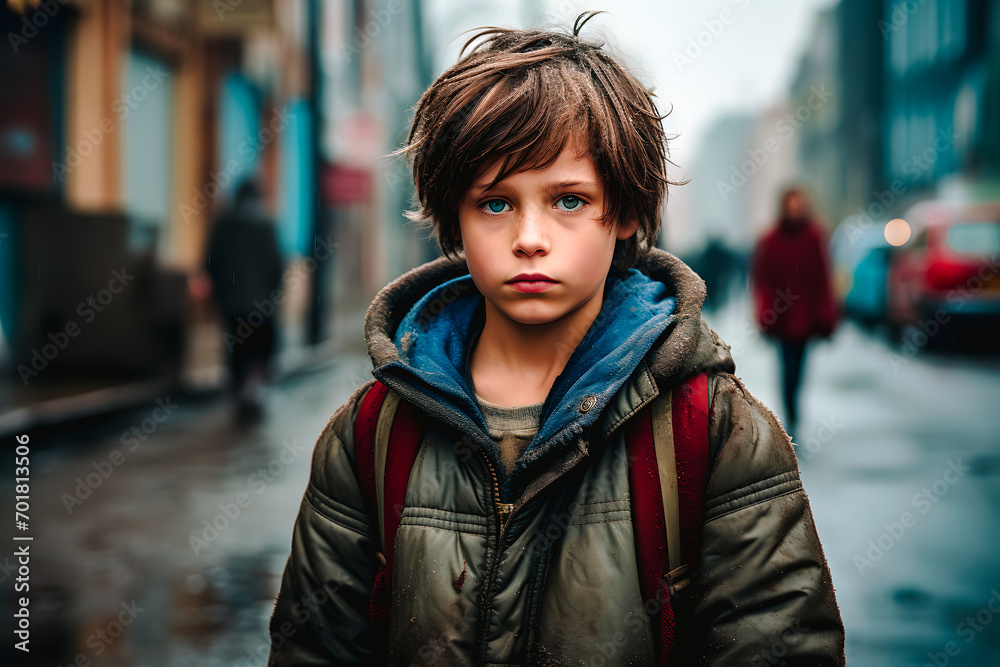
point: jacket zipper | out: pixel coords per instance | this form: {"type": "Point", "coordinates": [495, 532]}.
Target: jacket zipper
{"type": "Point", "coordinates": [503, 509]}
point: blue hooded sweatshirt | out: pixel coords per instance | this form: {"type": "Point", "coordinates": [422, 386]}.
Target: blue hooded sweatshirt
{"type": "Point", "coordinates": [435, 336]}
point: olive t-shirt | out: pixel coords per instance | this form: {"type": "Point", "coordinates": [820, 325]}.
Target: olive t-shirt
{"type": "Point", "coordinates": [513, 428]}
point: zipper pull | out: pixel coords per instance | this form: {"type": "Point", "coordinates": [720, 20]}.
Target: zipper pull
{"type": "Point", "coordinates": [504, 510]}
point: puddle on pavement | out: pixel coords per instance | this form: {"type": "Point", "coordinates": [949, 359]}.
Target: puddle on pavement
{"type": "Point", "coordinates": [188, 617]}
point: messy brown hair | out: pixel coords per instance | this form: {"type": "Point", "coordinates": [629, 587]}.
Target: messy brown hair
{"type": "Point", "coordinates": [520, 96]}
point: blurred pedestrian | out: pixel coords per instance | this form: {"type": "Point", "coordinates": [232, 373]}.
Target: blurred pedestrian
{"type": "Point", "coordinates": [792, 290]}
{"type": "Point", "coordinates": [245, 265]}
{"type": "Point", "coordinates": [720, 267]}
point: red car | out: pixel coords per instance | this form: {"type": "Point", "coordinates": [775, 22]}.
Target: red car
{"type": "Point", "coordinates": [944, 283]}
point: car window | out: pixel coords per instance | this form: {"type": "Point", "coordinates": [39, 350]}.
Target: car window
{"type": "Point", "coordinates": [975, 238]}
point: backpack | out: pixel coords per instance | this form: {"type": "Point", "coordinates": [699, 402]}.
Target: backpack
{"type": "Point", "coordinates": [667, 480]}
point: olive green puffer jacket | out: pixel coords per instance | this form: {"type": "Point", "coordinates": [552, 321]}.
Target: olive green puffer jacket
{"type": "Point", "coordinates": [555, 582]}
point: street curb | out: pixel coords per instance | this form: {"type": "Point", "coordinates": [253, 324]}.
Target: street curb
{"type": "Point", "coordinates": [204, 382]}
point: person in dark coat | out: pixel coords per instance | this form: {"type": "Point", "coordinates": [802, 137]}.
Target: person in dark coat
{"type": "Point", "coordinates": [245, 264]}
{"type": "Point", "coordinates": [792, 290]}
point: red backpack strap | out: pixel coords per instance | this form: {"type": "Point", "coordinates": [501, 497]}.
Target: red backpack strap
{"type": "Point", "coordinates": [374, 437]}
{"type": "Point", "coordinates": [689, 418]}
{"type": "Point", "coordinates": [690, 421]}
{"type": "Point", "coordinates": [364, 441]}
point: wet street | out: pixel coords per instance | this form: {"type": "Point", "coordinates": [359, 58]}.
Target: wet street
{"type": "Point", "coordinates": [161, 533]}
{"type": "Point", "coordinates": [173, 555]}
{"type": "Point", "coordinates": [900, 456]}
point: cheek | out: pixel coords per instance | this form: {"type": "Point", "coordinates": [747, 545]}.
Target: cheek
{"type": "Point", "coordinates": [600, 245]}
{"type": "Point", "coordinates": [477, 259]}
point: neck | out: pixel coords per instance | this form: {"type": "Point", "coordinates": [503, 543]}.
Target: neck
{"type": "Point", "coordinates": [516, 364]}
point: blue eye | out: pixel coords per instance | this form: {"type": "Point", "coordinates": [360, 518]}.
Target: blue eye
{"type": "Point", "coordinates": [569, 203]}
{"type": "Point", "coordinates": [496, 206]}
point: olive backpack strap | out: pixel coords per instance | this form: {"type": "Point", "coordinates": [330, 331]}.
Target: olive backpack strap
{"type": "Point", "coordinates": [668, 473]}
{"type": "Point", "coordinates": [384, 422]}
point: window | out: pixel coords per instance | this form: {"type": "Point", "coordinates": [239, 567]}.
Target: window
{"type": "Point", "coordinates": [974, 238]}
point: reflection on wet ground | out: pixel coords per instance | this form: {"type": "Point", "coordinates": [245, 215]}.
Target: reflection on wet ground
{"type": "Point", "coordinates": [168, 548]}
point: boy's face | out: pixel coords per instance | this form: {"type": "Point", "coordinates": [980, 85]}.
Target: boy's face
{"type": "Point", "coordinates": [534, 243]}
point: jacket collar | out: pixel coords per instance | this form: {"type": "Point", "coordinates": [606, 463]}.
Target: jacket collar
{"type": "Point", "coordinates": [419, 327]}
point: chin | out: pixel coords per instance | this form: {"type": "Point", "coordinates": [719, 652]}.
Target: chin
{"type": "Point", "coordinates": [538, 319]}
{"type": "Point", "coordinates": [549, 315]}
{"type": "Point", "coordinates": [532, 315]}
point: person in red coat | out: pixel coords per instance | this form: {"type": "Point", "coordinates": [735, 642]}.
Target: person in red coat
{"type": "Point", "coordinates": [792, 290]}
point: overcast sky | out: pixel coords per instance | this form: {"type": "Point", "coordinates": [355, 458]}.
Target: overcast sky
{"type": "Point", "coordinates": [746, 65]}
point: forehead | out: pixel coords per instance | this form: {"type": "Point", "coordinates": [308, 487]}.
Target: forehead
{"type": "Point", "coordinates": [573, 163]}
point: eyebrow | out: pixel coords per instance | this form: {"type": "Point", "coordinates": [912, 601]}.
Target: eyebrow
{"type": "Point", "coordinates": [554, 185]}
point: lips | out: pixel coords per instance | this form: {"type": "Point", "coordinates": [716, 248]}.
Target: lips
{"type": "Point", "coordinates": [531, 282]}
{"type": "Point", "coordinates": [531, 277]}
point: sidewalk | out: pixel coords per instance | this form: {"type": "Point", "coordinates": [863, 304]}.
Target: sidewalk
{"type": "Point", "coordinates": [23, 409]}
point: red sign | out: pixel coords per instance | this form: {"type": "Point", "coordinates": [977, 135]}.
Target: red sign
{"type": "Point", "coordinates": [341, 185]}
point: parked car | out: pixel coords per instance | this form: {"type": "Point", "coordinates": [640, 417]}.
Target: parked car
{"type": "Point", "coordinates": [866, 299]}
{"type": "Point", "coordinates": [945, 281]}
{"type": "Point", "coordinates": [860, 256]}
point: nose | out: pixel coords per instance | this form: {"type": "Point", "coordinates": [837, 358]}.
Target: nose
{"type": "Point", "coordinates": [530, 235]}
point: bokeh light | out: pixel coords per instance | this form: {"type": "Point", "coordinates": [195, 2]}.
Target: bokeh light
{"type": "Point", "coordinates": [897, 231]}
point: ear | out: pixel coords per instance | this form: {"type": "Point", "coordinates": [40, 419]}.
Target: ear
{"type": "Point", "coordinates": [627, 229]}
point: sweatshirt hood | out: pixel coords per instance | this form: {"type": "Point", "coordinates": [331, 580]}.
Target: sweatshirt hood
{"type": "Point", "coordinates": [419, 329]}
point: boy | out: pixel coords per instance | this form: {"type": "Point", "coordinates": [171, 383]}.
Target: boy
{"type": "Point", "coordinates": [526, 354]}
